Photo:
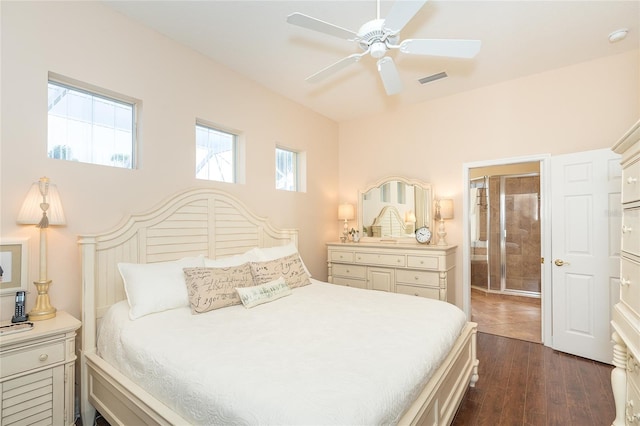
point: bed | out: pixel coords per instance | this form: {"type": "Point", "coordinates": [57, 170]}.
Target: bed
{"type": "Point", "coordinates": [327, 386]}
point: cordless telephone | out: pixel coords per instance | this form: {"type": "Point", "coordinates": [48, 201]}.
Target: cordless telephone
{"type": "Point", "coordinates": [20, 315]}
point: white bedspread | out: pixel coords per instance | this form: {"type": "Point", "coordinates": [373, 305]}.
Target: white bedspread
{"type": "Point", "coordinates": [324, 355]}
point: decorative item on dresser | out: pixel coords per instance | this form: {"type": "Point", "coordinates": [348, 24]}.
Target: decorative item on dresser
{"type": "Point", "coordinates": [625, 377]}
{"type": "Point", "coordinates": [42, 208]}
{"type": "Point", "coordinates": [37, 371]}
{"type": "Point", "coordinates": [408, 268]}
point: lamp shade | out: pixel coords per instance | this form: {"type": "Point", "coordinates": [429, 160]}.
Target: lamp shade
{"type": "Point", "coordinates": [446, 209]}
{"type": "Point", "coordinates": [410, 217]}
{"type": "Point", "coordinates": [346, 211]}
{"type": "Point", "coordinates": [41, 192]}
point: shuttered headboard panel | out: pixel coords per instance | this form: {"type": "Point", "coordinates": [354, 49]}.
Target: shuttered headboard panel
{"type": "Point", "coordinates": [198, 221]}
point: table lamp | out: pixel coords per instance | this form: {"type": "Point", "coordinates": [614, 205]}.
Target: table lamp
{"type": "Point", "coordinates": [42, 207]}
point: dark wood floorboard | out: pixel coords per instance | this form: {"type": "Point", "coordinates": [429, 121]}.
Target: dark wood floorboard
{"type": "Point", "coordinates": [526, 383]}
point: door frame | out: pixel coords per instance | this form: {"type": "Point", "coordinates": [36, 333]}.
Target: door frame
{"type": "Point", "coordinates": [545, 235]}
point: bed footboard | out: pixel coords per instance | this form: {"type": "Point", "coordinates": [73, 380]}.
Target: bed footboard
{"type": "Point", "coordinates": [120, 401]}
{"type": "Point", "coordinates": [440, 399]}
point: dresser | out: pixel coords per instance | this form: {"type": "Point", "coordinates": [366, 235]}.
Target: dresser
{"type": "Point", "coordinates": [409, 268]}
{"type": "Point", "coordinates": [625, 377]}
{"type": "Point", "coordinates": [37, 373]}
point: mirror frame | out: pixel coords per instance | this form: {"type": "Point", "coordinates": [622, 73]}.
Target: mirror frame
{"type": "Point", "coordinates": [428, 214]}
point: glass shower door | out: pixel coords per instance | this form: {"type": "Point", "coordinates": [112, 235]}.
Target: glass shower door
{"type": "Point", "coordinates": [520, 242]}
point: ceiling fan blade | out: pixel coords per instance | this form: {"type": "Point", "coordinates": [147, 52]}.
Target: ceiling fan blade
{"type": "Point", "coordinates": [441, 47]}
{"type": "Point", "coordinates": [342, 63]}
{"type": "Point", "coordinates": [401, 13]}
{"type": "Point", "coordinates": [314, 24]}
{"type": "Point", "coordinates": [389, 75]}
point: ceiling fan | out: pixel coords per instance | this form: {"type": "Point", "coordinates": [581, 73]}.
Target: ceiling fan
{"type": "Point", "coordinates": [378, 36]}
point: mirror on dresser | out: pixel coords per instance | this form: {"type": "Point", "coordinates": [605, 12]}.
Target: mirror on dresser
{"type": "Point", "coordinates": [394, 207]}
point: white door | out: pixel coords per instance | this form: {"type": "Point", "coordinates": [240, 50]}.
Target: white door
{"type": "Point", "coordinates": [585, 217]}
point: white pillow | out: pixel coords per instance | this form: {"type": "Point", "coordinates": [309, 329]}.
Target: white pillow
{"type": "Point", "coordinates": [263, 293]}
{"type": "Point", "coordinates": [156, 287]}
{"type": "Point", "coordinates": [276, 252]}
{"type": "Point", "coordinates": [228, 262]}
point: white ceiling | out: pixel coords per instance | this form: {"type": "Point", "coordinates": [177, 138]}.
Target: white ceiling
{"type": "Point", "coordinates": [519, 38]}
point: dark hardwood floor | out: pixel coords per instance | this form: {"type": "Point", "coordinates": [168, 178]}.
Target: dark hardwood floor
{"type": "Point", "coordinates": [526, 383]}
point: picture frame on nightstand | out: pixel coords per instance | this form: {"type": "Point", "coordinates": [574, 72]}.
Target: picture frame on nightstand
{"type": "Point", "coordinates": [13, 266]}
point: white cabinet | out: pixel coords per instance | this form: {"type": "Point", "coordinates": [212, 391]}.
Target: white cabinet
{"type": "Point", "coordinates": [37, 373]}
{"type": "Point", "coordinates": [411, 268]}
{"type": "Point", "coordinates": [625, 378]}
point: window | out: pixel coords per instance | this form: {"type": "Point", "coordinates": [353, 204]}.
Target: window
{"type": "Point", "coordinates": [286, 169]}
{"type": "Point", "coordinates": [385, 193]}
{"type": "Point", "coordinates": [89, 127]}
{"type": "Point", "coordinates": [215, 154]}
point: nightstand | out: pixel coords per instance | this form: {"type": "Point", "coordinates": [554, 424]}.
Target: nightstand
{"type": "Point", "coordinates": [37, 372]}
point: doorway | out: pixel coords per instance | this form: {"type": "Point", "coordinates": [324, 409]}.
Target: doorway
{"type": "Point", "coordinates": [506, 275]}
{"type": "Point", "coordinates": [505, 235]}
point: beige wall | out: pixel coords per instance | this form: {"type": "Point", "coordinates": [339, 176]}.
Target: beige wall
{"type": "Point", "coordinates": [91, 43]}
{"type": "Point", "coordinates": [578, 108]}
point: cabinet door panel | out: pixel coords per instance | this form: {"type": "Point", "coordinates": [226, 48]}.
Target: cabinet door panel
{"type": "Point", "coordinates": [381, 279]}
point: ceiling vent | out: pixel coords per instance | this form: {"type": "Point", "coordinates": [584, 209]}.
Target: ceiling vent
{"type": "Point", "coordinates": [433, 77]}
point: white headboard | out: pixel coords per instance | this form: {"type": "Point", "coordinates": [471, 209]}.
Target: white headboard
{"type": "Point", "coordinates": [198, 221]}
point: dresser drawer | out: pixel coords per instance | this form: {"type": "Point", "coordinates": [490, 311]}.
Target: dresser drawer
{"type": "Point", "coordinates": [349, 271]}
{"type": "Point", "coordinates": [417, 277]}
{"type": "Point", "coordinates": [380, 259]}
{"type": "Point", "coordinates": [349, 282]}
{"type": "Point", "coordinates": [430, 293]}
{"type": "Point", "coordinates": [424, 262]}
{"type": "Point", "coordinates": [31, 357]}
{"type": "Point", "coordinates": [630, 284]}
{"type": "Point", "coordinates": [631, 231]}
{"type": "Point", "coordinates": [631, 183]}
{"type": "Point", "coordinates": [342, 256]}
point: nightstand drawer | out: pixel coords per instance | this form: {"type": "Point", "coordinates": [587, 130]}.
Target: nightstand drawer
{"type": "Point", "coordinates": [430, 293]}
{"type": "Point", "coordinates": [417, 277]}
{"type": "Point", "coordinates": [631, 231]}
{"type": "Point", "coordinates": [423, 262]}
{"type": "Point", "coordinates": [630, 284]}
{"type": "Point", "coordinates": [350, 271]}
{"type": "Point", "coordinates": [31, 357]}
{"type": "Point", "coordinates": [342, 256]}
{"type": "Point", "coordinates": [631, 183]}
{"type": "Point", "coordinates": [380, 259]}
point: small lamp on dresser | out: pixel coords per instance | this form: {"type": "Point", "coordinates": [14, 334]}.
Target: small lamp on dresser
{"type": "Point", "coordinates": [346, 212]}
{"type": "Point", "coordinates": [42, 207]}
{"type": "Point", "coordinates": [444, 211]}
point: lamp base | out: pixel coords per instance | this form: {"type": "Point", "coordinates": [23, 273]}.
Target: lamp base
{"type": "Point", "coordinates": [442, 234]}
{"type": "Point", "coordinates": [43, 309]}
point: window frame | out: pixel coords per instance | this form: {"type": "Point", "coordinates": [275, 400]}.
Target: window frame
{"type": "Point", "coordinates": [108, 95]}
{"type": "Point", "coordinates": [236, 150]}
{"type": "Point", "coordinates": [299, 169]}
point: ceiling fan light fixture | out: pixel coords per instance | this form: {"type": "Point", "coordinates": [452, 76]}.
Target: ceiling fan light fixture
{"type": "Point", "coordinates": [618, 35]}
{"type": "Point", "coordinates": [378, 49]}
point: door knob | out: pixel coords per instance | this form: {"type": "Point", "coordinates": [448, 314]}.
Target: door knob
{"type": "Point", "coordinates": [560, 262]}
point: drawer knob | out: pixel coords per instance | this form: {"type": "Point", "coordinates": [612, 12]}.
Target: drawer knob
{"type": "Point", "coordinates": [631, 180]}
{"type": "Point", "coordinates": [415, 294]}
{"type": "Point", "coordinates": [43, 357]}
{"type": "Point", "coordinates": [626, 229]}
{"type": "Point", "coordinates": [624, 281]}
{"type": "Point", "coordinates": [416, 278]}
